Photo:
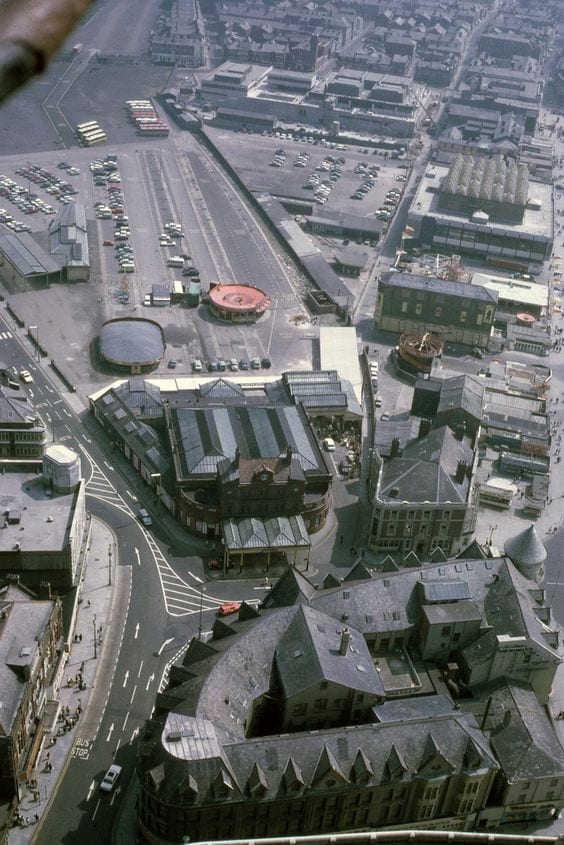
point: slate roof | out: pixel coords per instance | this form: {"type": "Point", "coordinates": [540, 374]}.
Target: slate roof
{"type": "Point", "coordinates": [425, 471]}
{"type": "Point", "coordinates": [15, 411]}
{"type": "Point", "coordinates": [308, 653]}
{"type": "Point", "coordinates": [464, 392]}
{"type": "Point", "coordinates": [525, 743]}
{"type": "Point", "coordinates": [22, 627]}
{"type": "Point", "coordinates": [526, 548]}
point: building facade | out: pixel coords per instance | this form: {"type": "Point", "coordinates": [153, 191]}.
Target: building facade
{"type": "Point", "coordinates": [457, 312]}
{"type": "Point", "coordinates": [30, 640]}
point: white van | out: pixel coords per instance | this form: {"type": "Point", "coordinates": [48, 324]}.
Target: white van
{"type": "Point", "coordinates": [175, 261]}
{"type": "Point", "coordinates": [329, 444]}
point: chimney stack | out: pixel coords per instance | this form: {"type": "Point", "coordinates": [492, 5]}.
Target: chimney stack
{"type": "Point", "coordinates": [345, 640]}
{"type": "Point", "coordinates": [237, 456]}
{"type": "Point", "coordinates": [395, 447]}
{"type": "Point", "coordinates": [461, 471]}
{"type": "Point", "coordinates": [424, 428]}
{"type": "Point", "coordinates": [460, 431]}
{"type": "Point", "coordinates": [289, 454]}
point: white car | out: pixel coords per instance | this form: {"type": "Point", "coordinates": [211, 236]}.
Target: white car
{"type": "Point", "coordinates": [110, 778]}
{"type": "Point", "coordinates": [26, 377]}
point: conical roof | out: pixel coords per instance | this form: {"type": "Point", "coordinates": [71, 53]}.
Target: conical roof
{"type": "Point", "coordinates": [526, 548]}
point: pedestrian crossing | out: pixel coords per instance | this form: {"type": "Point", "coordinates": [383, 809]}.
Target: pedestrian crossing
{"type": "Point", "coordinates": [181, 598]}
{"type": "Point", "coordinates": [5, 335]}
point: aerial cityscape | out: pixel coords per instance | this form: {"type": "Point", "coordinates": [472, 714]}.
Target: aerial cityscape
{"type": "Point", "coordinates": [281, 403]}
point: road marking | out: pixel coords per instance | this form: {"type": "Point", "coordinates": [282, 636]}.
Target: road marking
{"type": "Point", "coordinates": [164, 645]}
{"type": "Point", "coordinates": [126, 677]}
{"type": "Point", "coordinates": [125, 721]}
{"type": "Point", "coordinates": [138, 556]}
{"type": "Point", "coordinates": [108, 465]}
{"type": "Point", "coordinates": [195, 577]}
{"type": "Point", "coordinates": [66, 412]}
{"type": "Point", "coordinates": [57, 401]}
{"type": "Point", "coordinates": [115, 795]}
{"type": "Point", "coordinates": [110, 732]}
{"type": "Point", "coordinates": [130, 494]}
{"type": "Point", "coordinates": [91, 789]}
{"type": "Point", "coordinates": [133, 694]}
{"type": "Point", "coordinates": [140, 668]}
{"type": "Point", "coordinates": [133, 736]}
{"type": "Point", "coordinates": [136, 635]}
{"type": "Point", "coordinates": [150, 681]}
{"type": "Point", "coordinates": [96, 810]}
{"type": "Point", "coordinates": [84, 437]}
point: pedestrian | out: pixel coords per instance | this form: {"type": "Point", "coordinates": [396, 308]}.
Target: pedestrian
{"type": "Point", "coordinates": [341, 538]}
{"type": "Point", "coordinates": [36, 818]}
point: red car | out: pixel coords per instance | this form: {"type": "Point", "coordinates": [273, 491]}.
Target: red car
{"type": "Point", "coordinates": [229, 607]}
{"type": "Point", "coordinates": [213, 563]}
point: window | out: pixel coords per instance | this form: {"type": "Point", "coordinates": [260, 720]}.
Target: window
{"type": "Point", "coordinates": [320, 705]}
{"type": "Point", "coordinates": [418, 307]}
{"type": "Point", "coordinates": [463, 315]}
{"type": "Point", "coordinates": [404, 306]}
{"type": "Point", "coordinates": [456, 638]}
{"type": "Point", "coordinates": [300, 709]}
{"type": "Point", "coordinates": [445, 631]}
{"type": "Point", "coordinates": [438, 311]}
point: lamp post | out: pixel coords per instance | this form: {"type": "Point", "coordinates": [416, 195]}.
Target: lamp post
{"type": "Point", "coordinates": [110, 564]}
{"type": "Point", "coordinates": [95, 640]}
{"type": "Point", "coordinates": [202, 591]}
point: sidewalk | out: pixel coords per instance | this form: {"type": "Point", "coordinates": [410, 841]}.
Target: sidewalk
{"type": "Point", "coordinates": [68, 709]}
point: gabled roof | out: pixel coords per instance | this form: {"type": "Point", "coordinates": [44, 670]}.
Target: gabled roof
{"type": "Point", "coordinates": [426, 470]}
{"type": "Point", "coordinates": [310, 652]}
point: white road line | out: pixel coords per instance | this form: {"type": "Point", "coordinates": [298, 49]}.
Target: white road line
{"type": "Point", "coordinates": [91, 789]}
{"type": "Point", "coordinates": [133, 694]}
{"type": "Point", "coordinates": [110, 732]}
{"type": "Point", "coordinates": [108, 465]}
{"type": "Point", "coordinates": [96, 810]}
{"type": "Point", "coordinates": [138, 556]}
{"type": "Point", "coordinates": [164, 645]}
{"type": "Point", "coordinates": [125, 721]}
{"type": "Point", "coordinates": [150, 681]}
{"type": "Point", "coordinates": [126, 678]}
{"type": "Point", "coordinates": [140, 668]}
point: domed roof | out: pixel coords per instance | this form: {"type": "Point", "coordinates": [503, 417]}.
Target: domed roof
{"type": "Point", "coordinates": [526, 549]}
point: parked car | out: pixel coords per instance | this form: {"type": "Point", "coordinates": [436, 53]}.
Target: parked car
{"type": "Point", "coordinates": [26, 376]}
{"type": "Point", "coordinates": [329, 444]}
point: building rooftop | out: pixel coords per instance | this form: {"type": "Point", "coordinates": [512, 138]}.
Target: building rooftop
{"type": "Point", "coordinates": [35, 519]}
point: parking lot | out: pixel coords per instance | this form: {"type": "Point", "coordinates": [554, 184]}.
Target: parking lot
{"type": "Point", "coordinates": [284, 167]}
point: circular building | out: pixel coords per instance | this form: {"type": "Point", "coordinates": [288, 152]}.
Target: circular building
{"type": "Point", "coordinates": [527, 552]}
{"type": "Point", "coordinates": [134, 345]}
{"type": "Point", "coordinates": [419, 350]}
{"type": "Point", "coordinates": [237, 303]}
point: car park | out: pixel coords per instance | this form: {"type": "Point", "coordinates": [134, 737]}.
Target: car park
{"type": "Point", "coordinates": [144, 518]}
{"type": "Point", "coordinates": [110, 778]}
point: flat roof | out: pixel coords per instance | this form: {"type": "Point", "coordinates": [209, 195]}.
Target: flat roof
{"type": "Point", "coordinates": [338, 350]}
{"type": "Point", "coordinates": [535, 221]}
{"type": "Point", "coordinates": [517, 290]}
{"type": "Point", "coordinates": [44, 518]}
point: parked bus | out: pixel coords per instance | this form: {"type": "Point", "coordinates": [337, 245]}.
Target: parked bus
{"type": "Point", "coordinates": [495, 497]}
{"type": "Point", "coordinates": [84, 127]}
{"type": "Point", "coordinates": [95, 138]}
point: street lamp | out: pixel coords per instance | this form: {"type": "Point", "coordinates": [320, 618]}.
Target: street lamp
{"type": "Point", "coordinates": [202, 591]}
{"type": "Point", "coordinates": [110, 564]}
